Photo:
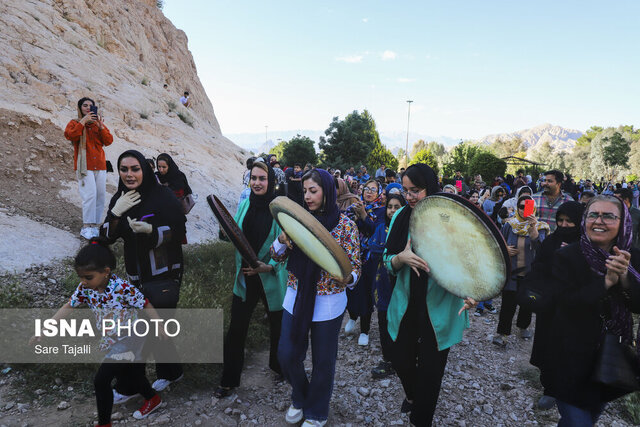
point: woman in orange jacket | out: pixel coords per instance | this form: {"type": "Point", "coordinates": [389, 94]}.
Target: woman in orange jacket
{"type": "Point", "coordinates": [88, 135]}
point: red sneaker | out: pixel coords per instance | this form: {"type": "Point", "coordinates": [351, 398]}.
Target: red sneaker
{"type": "Point", "coordinates": [148, 407]}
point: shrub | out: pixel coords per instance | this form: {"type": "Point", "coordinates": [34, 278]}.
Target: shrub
{"type": "Point", "coordinates": [186, 118]}
{"type": "Point", "coordinates": [145, 81]}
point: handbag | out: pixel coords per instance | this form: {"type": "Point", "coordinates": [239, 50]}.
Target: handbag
{"type": "Point", "coordinates": [617, 364]}
{"type": "Point", "coordinates": [109, 166]}
{"type": "Point", "coordinates": [188, 202]}
{"type": "Point", "coordinates": [162, 293]}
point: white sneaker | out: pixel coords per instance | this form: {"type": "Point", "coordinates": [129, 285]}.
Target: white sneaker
{"type": "Point", "coordinates": [122, 398]}
{"type": "Point", "coordinates": [313, 423]}
{"type": "Point", "coordinates": [350, 326]}
{"type": "Point", "coordinates": [161, 383]}
{"type": "Point", "coordinates": [294, 415]}
{"type": "Point", "coordinates": [95, 231]}
{"type": "Point", "coordinates": [87, 233]}
{"type": "Point", "coordinates": [363, 339]}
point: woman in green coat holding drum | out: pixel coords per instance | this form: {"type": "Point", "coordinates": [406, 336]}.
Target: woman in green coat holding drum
{"type": "Point", "coordinates": [267, 282]}
{"type": "Point", "coordinates": [424, 319]}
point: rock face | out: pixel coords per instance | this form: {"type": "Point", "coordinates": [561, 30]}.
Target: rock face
{"type": "Point", "coordinates": [120, 53]}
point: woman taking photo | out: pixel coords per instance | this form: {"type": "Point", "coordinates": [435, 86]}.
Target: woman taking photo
{"type": "Point", "coordinates": [89, 135]}
{"type": "Point", "coordinates": [314, 302]}
{"type": "Point", "coordinates": [598, 288]}
{"type": "Point", "coordinates": [149, 219]}
{"type": "Point", "coordinates": [267, 282]}
{"type": "Point", "coordinates": [424, 319]}
{"type": "Point", "coordinates": [523, 236]}
{"type": "Point", "coordinates": [368, 214]}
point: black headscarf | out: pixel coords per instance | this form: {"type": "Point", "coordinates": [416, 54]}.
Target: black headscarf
{"type": "Point", "coordinates": [422, 176]}
{"type": "Point", "coordinates": [174, 177]}
{"type": "Point", "coordinates": [258, 220]}
{"type": "Point", "coordinates": [574, 210]}
{"type": "Point", "coordinates": [155, 199]}
{"type": "Point", "coordinates": [306, 271]}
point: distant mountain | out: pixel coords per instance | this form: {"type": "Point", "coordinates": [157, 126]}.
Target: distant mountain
{"type": "Point", "coordinates": [559, 137]}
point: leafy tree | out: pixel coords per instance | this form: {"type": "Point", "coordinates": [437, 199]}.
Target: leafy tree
{"type": "Point", "coordinates": [278, 150]}
{"type": "Point", "coordinates": [299, 149]}
{"type": "Point", "coordinates": [487, 165]}
{"type": "Point", "coordinates": [587, 137]}
{"type": "Point", "coordinates": [505, 148]}
{"type": "Point", "coordinates": [542, 154]}
{"type": "Point", "coordinates": [616, 152]}
{"type": "Point", "coordinates": [460, 158]}
{"type": "Point", "coordinates": [381, 155]}
{"type": "Point", "coordinates": [425, 156]}
{"type": "Point", "coordinates": [348, 142]}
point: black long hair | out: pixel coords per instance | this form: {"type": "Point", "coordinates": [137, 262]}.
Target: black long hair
{"type": "Point", "coordinates": [95, 256]}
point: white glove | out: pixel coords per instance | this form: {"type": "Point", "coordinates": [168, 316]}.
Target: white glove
{"type": "Point", "coordinates": [125, 202]}
{"type": "Point", "coordinates": [140, 226]}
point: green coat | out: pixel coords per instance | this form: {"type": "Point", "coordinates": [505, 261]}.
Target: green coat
{"type": "Point", "coordinates": [273, 282]}
{"type": "Point", "coordinates": [442, 306]}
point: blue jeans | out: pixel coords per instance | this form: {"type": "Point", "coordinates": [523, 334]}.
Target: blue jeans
{"type": "Point", "coordinates": [482, 303]}
{"type": "Point", "coordinates": [573, 416]}
{"type": "Point", "coordinates": [311, 396]}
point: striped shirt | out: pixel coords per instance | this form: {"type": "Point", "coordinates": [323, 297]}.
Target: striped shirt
{"type": "Point", "coordinates": [546, 210]}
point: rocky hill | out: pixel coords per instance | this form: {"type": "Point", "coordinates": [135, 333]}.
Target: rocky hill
{"type": "Point", "coordinates": [120, 53]}
{"type": "Point", "coordinates": [559, 137]}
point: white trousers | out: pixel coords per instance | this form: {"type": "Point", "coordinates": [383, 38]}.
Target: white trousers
{"type": "Point", "coordinates": [93, 189]}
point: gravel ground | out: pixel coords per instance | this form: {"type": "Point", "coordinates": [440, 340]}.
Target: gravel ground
{"type": "Point", "coordinates": [483, 386]}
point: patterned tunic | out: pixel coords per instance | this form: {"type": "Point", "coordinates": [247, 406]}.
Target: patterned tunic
{"type": "Point", "coordinates": [119, 301]}
{"type": "Point", "coordinates": [346, 234]}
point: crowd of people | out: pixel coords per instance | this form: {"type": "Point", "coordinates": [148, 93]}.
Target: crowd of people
{"type": "Point", "coordinates": [571, 245]}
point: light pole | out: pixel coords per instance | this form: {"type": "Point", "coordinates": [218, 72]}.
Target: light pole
{"type": "Point", "coordinates": [406, 147]}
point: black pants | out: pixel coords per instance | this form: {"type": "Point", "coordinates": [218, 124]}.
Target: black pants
{"type": "Point", "coordinates": [102, 384]}
{"type": "Point", "coordinates": [418, 362]}
{"type": "Point", "coordinates": [236, 337]}
{"type": "Point", "coordinates": [508, 310]}
{"type": "Point", "coordinates": [163, 352]}
{"type": "Point", "coordinates": [365, 321]}
{"type": "Point", "coordinates": [385, 339]}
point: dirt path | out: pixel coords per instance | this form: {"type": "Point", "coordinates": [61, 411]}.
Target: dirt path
{"type": "Point", "coordinates": [483, 386]}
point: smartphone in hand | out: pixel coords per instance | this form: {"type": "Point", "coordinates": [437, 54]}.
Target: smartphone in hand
{"type": "Point", "coordinates": [529, 206]}
{"type": "Point", "coordinates": [94, 110]}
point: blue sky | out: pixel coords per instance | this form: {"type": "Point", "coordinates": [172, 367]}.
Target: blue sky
{"type": "Point", "coordinates": [471, 67]}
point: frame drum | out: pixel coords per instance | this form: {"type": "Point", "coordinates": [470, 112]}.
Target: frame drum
{"type": "Point", "coordinates": [233, 232]}
{"type": "Point", "coordinates": [466, 252]}
{"type": "Point", "coordinates": [311, 237]}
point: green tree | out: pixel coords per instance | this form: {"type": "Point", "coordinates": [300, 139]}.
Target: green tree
{"type": "Point", "coordinates": [587, 137]}
{"type": "Point", "coordinates": [299, 149]}
{"type": "Point", "coordinates": [402, 159]}
{"type": "Point", "coordinates": [508, 147]}
{"type": "Point", "coordinates": [427, 157]}
{"type": "Point", "coordinates": [381, 155]}
{"type": "Point", "coordinates": [348, 142]}
{"type": "Point", "coordinates": [487, 165]}
{"type": "Point", "coordinates": [460, 158]}
{"type": "Point", "coordinates": [616, 152]}
{"type": "Point", "coordinates": [278, 150]}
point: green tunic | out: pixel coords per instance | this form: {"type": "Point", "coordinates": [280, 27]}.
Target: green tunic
{"type": "Point", "coordinates": [442, 306]}
{"type": "Point", "coordinates": [273, 282]}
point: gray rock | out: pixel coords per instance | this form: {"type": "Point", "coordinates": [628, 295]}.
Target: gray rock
{"type": "Point", "coordinates": [487, 409]}
{"type": "Point", "coordinates": [385, 383]}
{"type": "Point", "coordinates": [163, 419]}
{"type": "Point", "coordinates": [63, 405]}
{"type": "Point", "coordinates": [363, 391]}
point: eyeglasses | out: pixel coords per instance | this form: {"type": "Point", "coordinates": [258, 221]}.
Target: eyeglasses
{"type": "Point", "coordinates": [371, 189]}
{"type": "Point", "coordinates": [406, 193]}
{"type": "Point", "coordinates": [607, 218]}
{"type": "Point", "coordinates": [521, 207]}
